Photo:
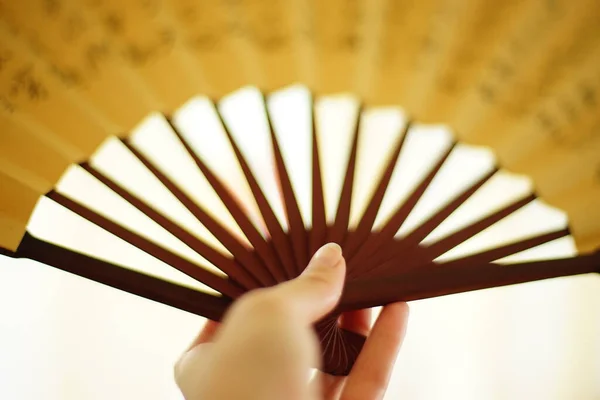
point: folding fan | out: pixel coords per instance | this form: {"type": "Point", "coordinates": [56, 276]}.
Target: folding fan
{"type": "Point", "coordinates": [220, 197]}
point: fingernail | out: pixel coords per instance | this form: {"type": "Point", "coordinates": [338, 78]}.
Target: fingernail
{"type": "Point", "coordinates": [329, 254]}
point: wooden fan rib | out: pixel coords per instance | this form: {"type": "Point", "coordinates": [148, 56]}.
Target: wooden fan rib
{"type": "Point", "coordinates": [410, 261]}
{"type": "Point", "coordinates": [230, 287]}
{"type": "Point", "coordinates": [368, 218]}
{"type": "Point", "coordinates": [252, 265]}
{"type": "Point", "coordinates": [6, 252]}
{"type": "Point", "coordinates": [412, 240]}
{"type": "Point", "coordinates": [509, 249]}
{"type": "Point", "coordinates": [280, 240]}
{"type": "Point", "coordinates": [183, 298]}
{"type": "Point", "coordinates": [443, 245]}
{"type": "Point", "coordinates": [337, 233]}
{"type": "Point", "coordinates": [395, 223]}
{"type": "Point", "coordinates": [318, 233]}
{"type": "Point", "coordinates": [360, 262]}
{"type": "Point", "coordinates": [439, 280]}
{"type": "Point", "coordinates": [213, 256]}
{"type": "Point", "coordinates": [420, 233]}
{"type": "Point", "coordinates": [264, 252]}
{"type": "Point", "coordinates": [411, 257]}
{"type": "Point", "coordinates": [417, 285]}
{"type": "Point", "coordinates": [296, 224]}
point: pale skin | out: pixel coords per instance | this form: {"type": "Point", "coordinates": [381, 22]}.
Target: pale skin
{"type": "Point", "coordinates": [265, 346]}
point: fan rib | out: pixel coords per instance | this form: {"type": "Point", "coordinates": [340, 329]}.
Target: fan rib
{"type": "Point", "coordinates": [395, 223]}
{"type": "Point", "coordinates": [338, 232]}
{"type": "Point", "coordinates": [146, 286]}
{"type": "Point", "coordinates": [367, 220]}
{"type": "Point", "coordinates": [229, 287]}
{"type": "Point", "coordinates": [213, 256]}
{"type": "Point", "coordinates": [252, 265]}
{"type": "Point", "coordinates": [415, 285]}
{"type": "Point", "coordinates": [509, 249]}
{"type": "Point", "coordinates": [296, 224]}
{"type": "Point", "coordinates": [443, 245]}
{"type": "Point", "coordinates": [412, 240]}
{"type": "Point", "coordinates": [439, 280]}
{"type": "Point", "coordinates": [420, 233]}
{"type": "Point", "coordinates": [280, 240]}
{"type": "Point", "coordinates": [263, 250]}
{"type": "Point", "coordinates": [318, 234]}
{"type": "Point", "coordinates": [423, 255]}
{"type": "Point", "coordinates": [391, 266]}
{"type": "Point", "coordinates": [360, 262]}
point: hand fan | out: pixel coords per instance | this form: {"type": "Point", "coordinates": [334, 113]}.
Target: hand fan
{"type": "Point", "coordinates": [219, 197]}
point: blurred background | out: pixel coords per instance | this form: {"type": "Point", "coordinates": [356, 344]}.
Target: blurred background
{"type": "Point", "coordinates": [520, 76]}
{"type": "Point", "coordinates": [64, 337]}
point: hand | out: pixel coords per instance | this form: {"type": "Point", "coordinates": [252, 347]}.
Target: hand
{"type": "Point", "coordinates": [266, 344]}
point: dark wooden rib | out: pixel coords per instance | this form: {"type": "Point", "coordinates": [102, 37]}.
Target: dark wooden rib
{"type": "Point", "coordinates": [412, 261]}
{"type": "Point", "coordinates": [412, 240]}
{"type": "Point", "coordinates": [367, 220]}
{"type": "Point", "coordinates": [411, 257]}
{"type": "Point", "coordinates": [230, 287]}
{"type": "Point", "coordinates": [280, 240]}
{"type": "Point", "coordinates": [443, 245]}
{"type": "Point", "coordinates": [318, 233]}
{"type": "Point", "coordinates": [296, 224]}
{"type": "Point", "coordinates": [250, 262]}
{"type": "Point", "coordinates": [130, 281]}
{"type": "Point", "coordinates": [360, 262]}
{"type": "Point", "coordinates": [437, 280]}
{"type": "Point", "coordinates": [213, 256]}
{"type": "Point", "coordinates": [420, 233]}
{"type": "Point", "coordinates": [263, 250]}
{"type": "Point", "coordinates": [440, 280]}
{"type": "Point", "coordinates": [509, 249]}
{"type": "Point", "coordinates": [337, 233]}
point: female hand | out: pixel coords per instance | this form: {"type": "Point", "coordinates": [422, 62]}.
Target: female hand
{"type": "Point", "coordinates": [266, 344]}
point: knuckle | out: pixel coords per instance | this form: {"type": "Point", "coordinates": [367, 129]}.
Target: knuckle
{"type": "Point", "coordinates": [324, 284]}
{"type": "Point", "coordinates": [321, 280]}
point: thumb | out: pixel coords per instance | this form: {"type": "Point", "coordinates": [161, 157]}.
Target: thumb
{"type": "Point", "coordinates": [318, 289]}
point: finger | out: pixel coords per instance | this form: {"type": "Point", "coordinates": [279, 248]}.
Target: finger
{"type": "Point", "coordinates": [192, 366]}
{"type": "Point", "coordinates": [358, 321]}
{"type": "Point", "coordinates": [371, 373]}
{"type": "Point", "coordinates": [277, 322]}
{"type": "Point", "coordinates": [327, 387]}
{"type": "Point", "coordinates": [330, 386]}
{"type": "Point", "coordinates": [204, 337]}
{"type": "Point", "coordinates": [316, 291]}
{"type": "Point", "coordinates": [206, 334]}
